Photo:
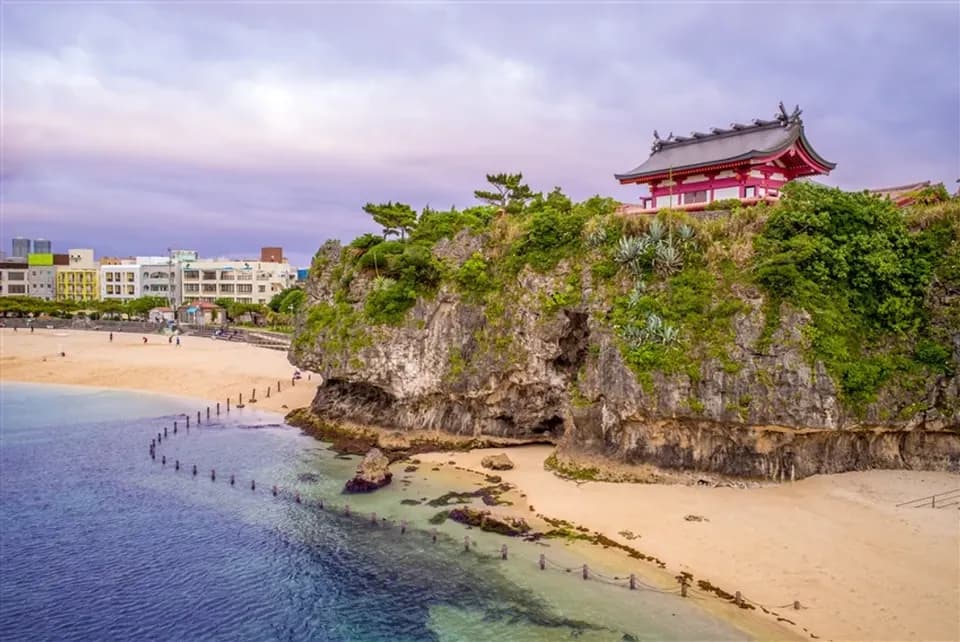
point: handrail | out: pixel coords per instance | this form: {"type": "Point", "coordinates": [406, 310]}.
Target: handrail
{"type": "Point", "coordinates": [931, 498]}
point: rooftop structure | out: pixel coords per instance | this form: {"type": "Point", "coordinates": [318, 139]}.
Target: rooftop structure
{"type": "Point", "coordinates": [749, 162]}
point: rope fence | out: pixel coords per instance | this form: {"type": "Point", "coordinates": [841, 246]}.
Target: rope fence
{"type": "Point", "coordinates": [627, 581]}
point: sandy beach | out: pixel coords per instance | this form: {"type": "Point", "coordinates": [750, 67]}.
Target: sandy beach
{"type": "Point", "coordinates": [200, 367]}
{"type": "Point", "coordinates": [862, 568]}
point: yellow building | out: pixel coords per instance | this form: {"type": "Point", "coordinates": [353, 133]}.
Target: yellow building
{"type": "Point", "coordinates": [77, 284]}
{"type": "Point", "coordinates": [77, 281]}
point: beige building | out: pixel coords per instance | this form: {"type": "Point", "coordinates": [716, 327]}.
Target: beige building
{"type": "Point", "coordinates": [245, 281]}
{"type": "Point", "coordinates": [77, 281]}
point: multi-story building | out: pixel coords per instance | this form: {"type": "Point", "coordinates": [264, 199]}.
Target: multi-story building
{"type": "Point", "coordinates": [21, 247]}
{"type": "Point", "coordinates": [13, 277]}
{"type": "Point", "coordinates": [126, 279]}
{"type": "Point", "coordinates": [77, 281]}
{"type": "Point", "coordinates": [248, 281]}
{"type": "Point", "coordinates": [42, 246]}
{"type": "Point", "coordinates": [41, 275]}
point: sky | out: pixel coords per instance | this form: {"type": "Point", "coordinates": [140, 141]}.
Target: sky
{"type": "Point", "coordinates": [223, 127]}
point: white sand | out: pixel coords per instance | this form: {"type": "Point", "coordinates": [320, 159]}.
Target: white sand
{"type": "Point", "coordinates": [865, 569]}
{"type": "Point", "coordinates": [204, 368]}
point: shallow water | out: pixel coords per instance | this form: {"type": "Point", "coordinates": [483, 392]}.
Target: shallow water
{"type": "Point", "coordinates": [98, 541]}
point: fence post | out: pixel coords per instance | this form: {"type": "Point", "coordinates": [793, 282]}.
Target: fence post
{"type": "Point", "coordinates": [198, 417]}
{"type": "Point", "coordinates": [188, 422]}
{"type": "Point", "coordinates": [543, 561]}
{"type": "Point", "coordinates": [268, 392]}
{"type": "Point", "coordinates": [208, 414]}
{"type": "Point", "coordinates": [228, 404]}
{"type": "Point", "coordinates": [218, 408]}
{"type": "Point", "coordinates": [633, 582]}
{"type": "Point", "coordinates": [240, 402]}
{"type": "Point", "coordinates": [738, 599]}
{"type": "Point", "coordinates": [586, 572]}
{"type": "Point", "coordinates": [253, 395]}
{"type": "Point", "coordinates": [278, 386]}
{"type": "Point", "coordinates": [503, 552]}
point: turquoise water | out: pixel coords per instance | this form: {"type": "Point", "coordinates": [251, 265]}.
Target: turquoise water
{"type": "Point", "coordinates": [99, 541]}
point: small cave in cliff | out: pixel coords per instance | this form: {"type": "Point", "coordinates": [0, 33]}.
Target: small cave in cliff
{"type": "Point", "coordinates": [574, 343]}
{"type": "Point", "coordinates": [338, 398]}
{"type": "Point", "coordinates": [548, 427]}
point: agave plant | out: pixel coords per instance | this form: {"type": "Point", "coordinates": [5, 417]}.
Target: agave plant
{"type": "Point", "coordinates": [656, 231]}
{"type": "Point", "coordinates": [654, 324]}
{"type": "Point", "coordinates": [597, 237]}
{"type": "Point", "coordinates": [669, 334]}
{"type": "Point", "coordinates": [629, 249]}
{"type": "Point", "coordinates": [636, 294]}
{"type": "Point", "coordinates": [668, 259]}
{"type": "Point", "coordinates": [685, 232]}
{"type": "Point", "coordinates": [634, 335]}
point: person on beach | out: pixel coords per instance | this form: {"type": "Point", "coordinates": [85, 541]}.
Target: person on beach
{"type": "Point", "coordinates": [178, 342]}
{"type": "Point", "coordinates": [111, 337]}
{"type": "Point", "coordinates": [144, 339]}
{"type": "Point", "coordinates": [170, 339]}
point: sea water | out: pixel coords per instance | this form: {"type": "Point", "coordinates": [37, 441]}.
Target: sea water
{"type": "Point", "coordinates": [99, 541]}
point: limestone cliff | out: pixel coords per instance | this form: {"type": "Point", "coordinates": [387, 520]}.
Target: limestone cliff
{"type": "Point", "coordinates": [545, 356]}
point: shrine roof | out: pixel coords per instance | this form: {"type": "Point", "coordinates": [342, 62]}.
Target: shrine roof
{"type": "Point", "coordinates": [739, 142]}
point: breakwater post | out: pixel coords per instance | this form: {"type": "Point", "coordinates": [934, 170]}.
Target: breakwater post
{"type": "Point", "coordinates": [228, 404]}
{"type": "Point", "coordinates": [163, 460]}
{"type": "Point", "coordinates": [218, 408]}
{"type": "Point", "coordinates": [164, 431]}
{"type": "Point", "coordinates": [208, 414]}
{"type": "Point", "coordinates": [346, 510]}
{"type": "Point", "coordinates": [194, 470]}
{"type": "Point", "coordinates": [403, 527]}
{"type": "Point", "coordinates": [543, 562]}
{"type": "Point", "coordinates": [466, 543]}
{"type": "Point", "coordinates": [633, 582]}
{"type": "Point", "coordinates": [586, 572]}
{"type": "Point", "coordinates": [683, 585]}
{"type": "Point", "coordinates": [253, 396]}
{"type": "Point", "coordinates": [373, 518]}
{"type": "Point", "coordinates": [503, 552]}
{"type": "Point", "coordinates": [738, 599]}
{"type": "Point", "coordinates": [274, 490]}
{"type": "Point", "coordinates": [231, 480]}
{"type": "Point", "coordinates": [174, 426]}
{"type": "Point", "coordinates": [213, 474]}
{"type": "Point", "coordinates": [240, 400]}
{"type": "Point", "coordinates": [253, 485]}
{"type": "Point", "coordinates": [188, 422]}
{"type": "Point", "coordinates": [268, 393]}
{"type": "Point", "coordinates": [198, 417]}
{"type": "Point", "coordinates": [176, 465]}
{"type": "Point", "coordinates": [278, 386]}
{"type": "Point", "coordinates": [297, 498]}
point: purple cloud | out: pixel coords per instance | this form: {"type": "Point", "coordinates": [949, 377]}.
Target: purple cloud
{"type": "Point", "coordinates": [137, 127]}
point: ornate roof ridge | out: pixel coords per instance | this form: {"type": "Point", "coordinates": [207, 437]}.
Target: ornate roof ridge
{"type": "Point", "coordinates": [781, 119]}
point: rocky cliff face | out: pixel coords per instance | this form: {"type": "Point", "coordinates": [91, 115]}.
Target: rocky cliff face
{"type": "Point", "coordinates": [534, 369]}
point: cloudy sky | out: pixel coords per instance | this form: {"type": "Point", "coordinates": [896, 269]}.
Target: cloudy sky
{"type": "Point", "coordinates": [134, 127]}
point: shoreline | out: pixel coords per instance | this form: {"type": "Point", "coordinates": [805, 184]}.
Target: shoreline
{"type": "Point", "coordinates": [862, 568]}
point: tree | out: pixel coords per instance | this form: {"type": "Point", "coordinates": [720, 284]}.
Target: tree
{"type": "Point", "coordinates": [395, 218]}
{"type": "Point", "coordinates": [510, 193]}
{"type": "Point", "coordinates": [141, 307]}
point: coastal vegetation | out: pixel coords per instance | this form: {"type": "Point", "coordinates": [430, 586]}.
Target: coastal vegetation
{"type": "Point", "coordinates": [877, 284]}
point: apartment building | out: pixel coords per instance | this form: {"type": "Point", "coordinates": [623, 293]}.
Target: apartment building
{"type": "Point", "coordinates": [41, 276]}
{"type": "Point", "coordinates": [13, 277]}
{"type": "Point", "coordinates": [77, 281]}
{"type": "Point", "coordinates": [249, 281]}
{"type": "Point", "coordinates": [127, 279]}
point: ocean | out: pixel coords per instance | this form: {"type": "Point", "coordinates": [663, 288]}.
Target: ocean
{"type": "Point", "coordinates": [100, 542]}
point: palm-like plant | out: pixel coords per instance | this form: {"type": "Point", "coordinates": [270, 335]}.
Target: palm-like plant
{"type": "Point", "coordinates": [596, 237]}
{"type": "Point", "coordinates": [636, 294]}
{"type": "Point", "coordinates": [685, 232]}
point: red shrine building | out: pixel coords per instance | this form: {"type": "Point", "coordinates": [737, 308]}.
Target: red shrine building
{"type": "Point", "coordinates": [746, 162]}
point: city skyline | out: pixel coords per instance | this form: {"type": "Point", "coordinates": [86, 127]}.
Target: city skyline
{"type": "Point", "coordinates": [231, 127]}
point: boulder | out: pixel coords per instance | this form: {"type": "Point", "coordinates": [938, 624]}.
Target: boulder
{"type": "Point", "coordinates": [497, 462]}
{"type": "Point", "coordinates": [372, 473]}
{"type": "Point", "coordinates": [510, 526]}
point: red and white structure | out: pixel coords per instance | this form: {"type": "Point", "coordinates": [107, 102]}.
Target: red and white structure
{"type": "Point", "coordinates": [746, 162]}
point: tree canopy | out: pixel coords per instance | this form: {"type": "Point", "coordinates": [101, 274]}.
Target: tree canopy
{"type": "Point", "coordinates": [395, 218]}
{"type": "Point", "coordinates": [508, 192]}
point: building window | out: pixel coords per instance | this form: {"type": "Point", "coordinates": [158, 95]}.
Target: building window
{"type": "Point", "coordinates": [209, 275]}
{"type": "Point", "coordinates": [16, 276]}
{"type": "Point", "coordinates": [750, 191]}
{"type": "Point", "coordinates": [210, 287]}
{"type": "Point", "coordinates": [191, 287]}
{"type": "Point", "coordinates": [261, 288]}
{"type": "Point", "coordinates": [245, 288]}
{"type": "Point", "coordinates": [226, 276]}
{"type": "Point", "coordinates": [16, 289]}
{"type": "Point", "coordinates": [700, 196]}
{"type": "Point", "coordinates": [226, 287]}
{"type": "Point", "coordinates": [191, 274]}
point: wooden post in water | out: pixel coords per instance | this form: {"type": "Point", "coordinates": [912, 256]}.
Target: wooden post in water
{"type": "Point", "coordinates": [198, 417]}
{"type": "Point", "coordinates": [297, 498]}
{"type": "Point", "coordinates": [268, 393]}
{"type": "Point", "coordinates": [796, 605]}
{"type": "Point", "coordinates": [213, 474]}
{"type": "Point", "coordinates": [208, 414]}
{"type": "Point", "coordinates": [346, 510]}
{"type": "Point", "coordinates": [543, 561]}
{"type": "Point", "coordinates": [177, 465]}
{"type": "Point", "coordinates": [586, 572]}
{"type": "Point", "coordinates": [683, 586]}
{"type": "Point", "coordinates": [228, 404]}
{"type": "Point", "coordinates": [163, 460]}
{"type": "Point", "coordinates": [433, 535]}
{"type": "Point", "coordinates": [174, 426]}
{"type": "Point", "coordinates": [240, 402]}
{"type": "Point", "coordinates": [466, 543]}
{"type": "Point", "coordinates": [373, 518]}
{"type": "Point", "coordinates": [218, 408]}
{"type": "Point", "coordinates": [321, 503]}
{"type": "Point", "coordinates": [503, 552]}
{"type": "Point", "coordinates": [403, 527]}
{"type": "Point", "coordinates": [278, 386]}
{"type": "Point", "coordinates": [188, 422]}
{"type": "Point", "coordinates": [194, 470]}
{"type": "Point", "coordinates": [633, 582]}
{"type": "Point", "coordinates": [231, 480]}
{"type": "Point", "coordinates": [738, 599]}
{"type": "Point", "coordinates": [253, 395]}
{"type": "Point", "coordinates": [253, 485]}
{"type": "Point", "coordinates": [164, 431]}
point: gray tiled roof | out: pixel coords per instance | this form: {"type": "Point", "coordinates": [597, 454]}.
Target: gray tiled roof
{"type": "Point", "coordinates": [740, 142]}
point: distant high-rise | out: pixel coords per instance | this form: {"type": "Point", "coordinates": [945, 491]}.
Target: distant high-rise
{"type": "Point", "coordinates": [21, 247]}
{"type": "Point", "coordinates": [42, 246]}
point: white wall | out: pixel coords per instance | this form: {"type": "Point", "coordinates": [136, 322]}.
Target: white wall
{"type": "Point", "coordinates": [726, 192]}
